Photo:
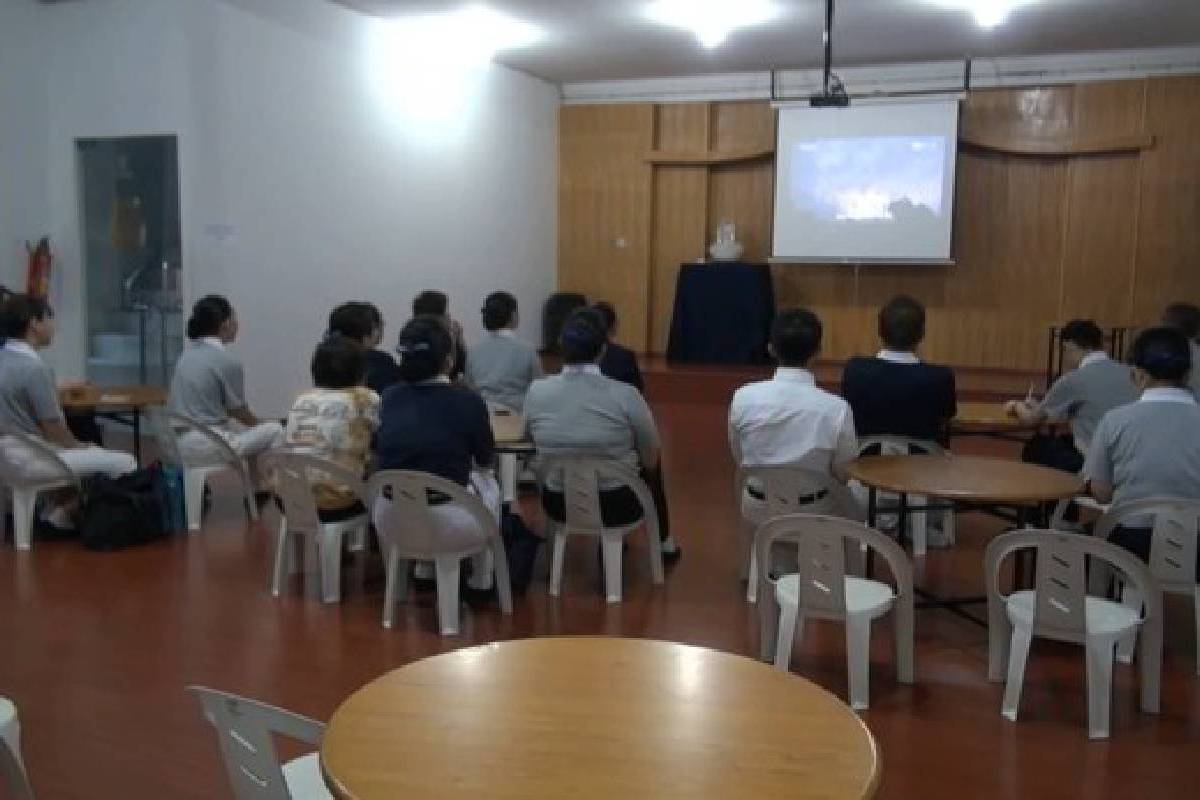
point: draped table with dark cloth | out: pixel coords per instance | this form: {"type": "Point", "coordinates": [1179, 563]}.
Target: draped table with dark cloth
{"type": "Point", "coordinates": [723, 314]}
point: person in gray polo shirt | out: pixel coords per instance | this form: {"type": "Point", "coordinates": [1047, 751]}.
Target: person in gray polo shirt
{"type": "Point", "coordinates": [1185, 318]}
{"type": "Point", "coordinates": [501, 367]}
{"type": "Point", "coordinates": [583, 413]}
{"type": "Point", "coordinates": [209, 387]}
{"type": "Point", "coordinates": [1150, 448]}
{"type": "Point", "coordinates": [1093, 385]}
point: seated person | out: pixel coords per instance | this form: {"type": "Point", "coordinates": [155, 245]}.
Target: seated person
{"type": "Point", "coordinates": [895, 393]}
{"type": "Point", "coordinates": [501, 367]}
{"type": "Point", "coordinates": [363, 323]}
{"type": "Point", "coordinates": [580, 412]}
{"type": "Point", "coordinates": [1093, 385]}
{"type": "Point", "coordinates": [436, 304]}
{"type": "Point", "coordinates": [29, 403]}
{"type": "Point", "coordinates": [619, 363]}
{"type": "Point", "coordinates": [1150, 448]}
{"type": "Point", "coordinates": [429, 424]}
{"type": "Point", "coordinates": [336, 421]}
{"type": "Point", "coordinates": [788, 421]}
{"type": "Point", "coordinates": [1185, 318]}
{"type": "Point", "coordinates": [209, 387]}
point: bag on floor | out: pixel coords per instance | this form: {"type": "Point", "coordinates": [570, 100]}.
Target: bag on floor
{"type": "Point", "coordinates": [521, 547]}
{"type": "Point", "coordinates": [122, 512]}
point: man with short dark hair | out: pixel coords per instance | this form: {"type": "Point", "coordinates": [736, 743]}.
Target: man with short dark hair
{"type": "Point", "coordinates": [895, 393]}
{"type": "Point", "coordinates": [431, 303]}
{"type": "Point", "coordinates": [1093, 385]}
{"type": "Point", "coordinates": [788, 420]}
{"type": "Point", "coordinates": [618, 363]}
{"type": "Point", "coordinates": [1185, 318]}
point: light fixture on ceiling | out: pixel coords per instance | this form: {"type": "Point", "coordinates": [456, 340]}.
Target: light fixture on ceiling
{"type": "Point", "coordinates": [473, 34]}
{"type": "Point", "coordinates": [712, 20]}
{"type": "Point", "coordinates": [988, 13]}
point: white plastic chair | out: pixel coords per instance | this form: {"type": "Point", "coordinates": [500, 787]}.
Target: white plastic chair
{"type": "Point", "coordinates": [42, 471]}
{"type": "Point", "coordinates": [1060, 608]}
{"type": "Point", "coordinates": [822, 589]}
{"type": "Point", "coordinates": [244, 729]}
{"type": "Point", "coordinates": [783, 489]}
{"type": "Point", "coordinates": [12, 769]}
{"type": "Point", "coordinates": [1174, 540]}
{"type": "Point", "coordinates": [918, 521]}
{"type": "Point", "coordinates": [408, 531]}
{"type": "Point", "coordinates": [580, 481]}
{"type": "Point", "coordinates": [300, 523]}
{"type": "Point", "coordinates": [168, 427]}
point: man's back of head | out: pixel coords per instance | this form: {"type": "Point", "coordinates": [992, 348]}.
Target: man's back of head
{"type": "Point", "coordinates": [795, 337]}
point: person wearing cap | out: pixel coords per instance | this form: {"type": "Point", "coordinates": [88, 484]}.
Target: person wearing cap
{"type": "Point", "coordinates": [501, 367]}
{"type": "Point", "coordinates": [581, 412]}
{"type": "Point", "coordinates": [1150, 448]}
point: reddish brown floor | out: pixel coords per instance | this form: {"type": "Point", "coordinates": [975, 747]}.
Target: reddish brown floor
{"type": "Point", "coordinates": [96, 649]}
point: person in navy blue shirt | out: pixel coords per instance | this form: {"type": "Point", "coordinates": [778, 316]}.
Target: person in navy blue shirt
{"type": "Point", "coordinates": [895, 393]}
{"type": "Point", "coordinates": [618, 363]}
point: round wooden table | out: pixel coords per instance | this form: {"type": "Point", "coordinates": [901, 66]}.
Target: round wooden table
{"type": "Point", "coordinates": [967, 479]}
{"type": "Point", "coordinates": [595, 717]}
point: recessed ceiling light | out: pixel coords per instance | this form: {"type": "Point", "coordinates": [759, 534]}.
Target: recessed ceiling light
{"type": "Point", "coordinates": [712, 20]}
{"type": "Point", "coordinates": [988, 13]}
{"type": "Point", "coordinates": [475, 33]}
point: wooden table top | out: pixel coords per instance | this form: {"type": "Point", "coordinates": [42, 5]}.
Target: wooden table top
{"type": "Point", "coordinates": [966, 478]}
{"type": "Point", "coordinates": [509, 429]}
{"type": "Point", "coordinates": [987, 415]}
{"type": "Point", "coordinates": [111, 396]}
{"type": "Point", "coordinates": [595, 717]}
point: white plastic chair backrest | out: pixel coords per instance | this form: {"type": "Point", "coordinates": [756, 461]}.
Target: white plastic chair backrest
{"type": "Point", "coordinates": [405, 522]}
{"type": "Point", "coordinates": [168, 426]}
{"type": "Point", "coordinates": [581, 479]}
{"type": "Point", "coordinates": [294, 473]}
{"type": "Point", "coordinates": [782, 488]}
{"type": "Point", "coordinates": [245, 728]}
{"type": "Point", "coordinates": [45, 465]}
{"type": "Point", "coordinates": [12, 775]}
{"type": "Point", "coordinates": [1060, 580]}
{"type": "Point", "coordinates": [1174, 540]}
{"type": "Point", "coordinates": [822, 542]}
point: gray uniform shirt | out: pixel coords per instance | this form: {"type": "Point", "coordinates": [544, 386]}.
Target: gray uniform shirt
{"type": "Point", "coordinates": [1150, 448]}
{"type": "Point", "coordinates": [1194, 380]}
{"type": "Point", "coordinates": [28, 394]}
{"type": "Point", "coordinates": [208, 383]}
{"type": "Point", "coordinates": [501, 368]}
{"type": "Point", "coordinates": [1086, 394]}
{"type": "Point", "coordinates": [583, 413]}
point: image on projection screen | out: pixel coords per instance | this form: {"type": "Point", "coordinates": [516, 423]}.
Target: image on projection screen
{"type": "Point", "coordinates": [867, 184]}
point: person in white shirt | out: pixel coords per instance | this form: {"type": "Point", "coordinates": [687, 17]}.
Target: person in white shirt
{"type": "Point", "coordinates": [209, 387]}
{"type": "Point", "coordinates": [1150, 448]}
{"type": "Point", "coordinates": [789, 421]}
{"type": "Point", "coordinates": [29, 403]}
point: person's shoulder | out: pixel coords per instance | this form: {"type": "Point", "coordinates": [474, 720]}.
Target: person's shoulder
{"type": "Point", "coordinates": [830, 400]}
{"type": "Point", "coordinates": [379, 358]}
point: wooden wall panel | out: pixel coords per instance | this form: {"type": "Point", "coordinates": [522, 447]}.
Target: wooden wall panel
{"type": "Point", "coordinates": [605, 209]}
{"type": "Point", "coordinates": [1168, 250]}
{"type": "Point", "coordinates": [1037, 239]}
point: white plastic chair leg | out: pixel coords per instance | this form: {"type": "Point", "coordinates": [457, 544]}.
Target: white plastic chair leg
{"type": "Point", "coordinates": [1018, 654]}
{"type": "Point", "coordinates": [611, 545]}
{"type": "Point", "coordinates": [1131, 598]}
{"type": "Point", "coordinates": [358, 539]}
{"type": "Point", "coordinates": [789, 621]}
{"type": "Point", "coordinates": [395, 586]}
{"type": "Point", "coordinates": [448, 569]}
{"type": "Point", "coordinates": [193, 496]}
{"type": "Point", "coordinates": [508, 477]}
{"type": "Point", "coordinates": [24, 503]}
{"type": "Point", "coordinates": [858, 659]}
{"type": "Point", "coordinates": [281, 558]}
{"type": "Point", "coordinates": [331, 567]}
{"type": "Point", "coordinates": [919, 526]}
{"type": "Point", "coordinates": [10, 728]}
{"type": "Point", "coordinates": [654, 547]}
{"type": "Point", "coordinates": [949, 526]}
{"type": "Point", "coordinates": [556, 561]}
{"type": "Point", "coordinates": [248, 492]}
{"type": "Point", "coordinates": [1099, 685]}
{"type": "Point", "coordinates": [752, 578]}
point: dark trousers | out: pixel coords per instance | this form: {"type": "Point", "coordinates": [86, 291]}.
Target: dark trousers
{"type": "Point", "coordinates": [619, 507]}
{"type": "Point", "coordinates": [1056, 452]}
{"type": "Point", "coordinates": [1137, 541]}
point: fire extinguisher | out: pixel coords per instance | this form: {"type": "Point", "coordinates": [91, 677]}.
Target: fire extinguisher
{"type": "Point", "coordinates": [38, 283]}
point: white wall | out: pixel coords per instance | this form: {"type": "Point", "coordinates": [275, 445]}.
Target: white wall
{"type": "Point", "coordinates": [300, 188]}
{"type": "Point", "coordinates": [23, 118]}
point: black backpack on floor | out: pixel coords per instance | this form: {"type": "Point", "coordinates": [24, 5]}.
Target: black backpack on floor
{"type": "Point", "coordinates": [123, 512]}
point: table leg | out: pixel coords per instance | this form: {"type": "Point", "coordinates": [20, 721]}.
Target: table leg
{"type": "Point", "coordinates": [508, 477]}
{"type": "Point", "coordinates": [902, 522]}
{"type": "Point", "coordinates": [872, 518]}
{"type": "Point", "coordinates": [137, 435]}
